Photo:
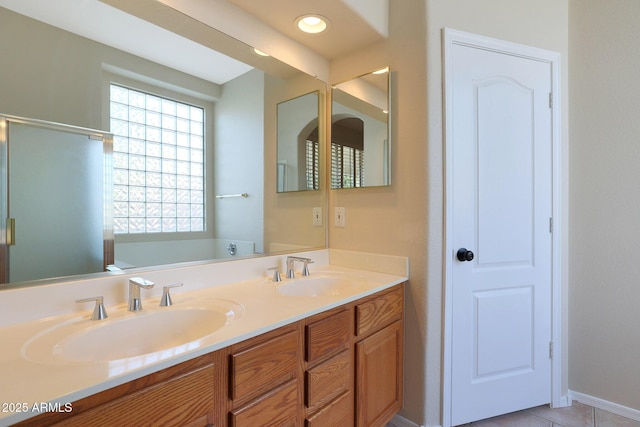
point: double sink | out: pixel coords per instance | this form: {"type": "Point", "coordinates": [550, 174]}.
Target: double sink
{"type": "Point", "coordinates": [165, 331]}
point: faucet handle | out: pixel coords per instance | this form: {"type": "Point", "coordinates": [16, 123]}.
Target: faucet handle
{"type": "Point", "coordinates": [305, 269]}
{"type": "Point", "coordinates": [276, 274]}
{"type": "Point", "coordinates": [143, 283]}
{"type": "Point", "coordinates": [99, 312]}
{"type": "Point", "coordinates": [165, 300]}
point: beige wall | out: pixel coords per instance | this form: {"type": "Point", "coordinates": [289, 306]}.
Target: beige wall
{"type": "Point", "coordinates": [605, 198]}
{"type": "Point", "coordinates": [392, 220]}
{"type": "Point", "coordinates": [288, 216]}
{"type": "Point", "coordinates": [407, 218]}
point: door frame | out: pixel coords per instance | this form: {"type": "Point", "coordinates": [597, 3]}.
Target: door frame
{"type": "Point", "coordinates": [454, 37]}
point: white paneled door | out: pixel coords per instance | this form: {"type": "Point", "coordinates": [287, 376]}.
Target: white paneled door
{"type": "Point", "coordinates": [501, 241]}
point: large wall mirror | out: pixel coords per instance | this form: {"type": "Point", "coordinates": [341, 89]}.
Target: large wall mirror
{"type": "Point", "coordinates": [360, 136]}
{"type": "Point", "coordinates": [198, 183]}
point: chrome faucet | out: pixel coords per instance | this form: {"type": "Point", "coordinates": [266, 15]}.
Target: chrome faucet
{"type": "Point", "coordinates": [135, 283]}
{"type": "Point", "coordinates": [290, 265]}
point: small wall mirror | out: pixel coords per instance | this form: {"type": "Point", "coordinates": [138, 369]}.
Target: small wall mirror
{"type": "Point", "coordinates": [360, 137]}
{"type": "Point", "coordinates": [298, 146]}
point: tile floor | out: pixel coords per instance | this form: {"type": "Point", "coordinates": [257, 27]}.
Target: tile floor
{"type": "Point", "coordinates": [578, 415]}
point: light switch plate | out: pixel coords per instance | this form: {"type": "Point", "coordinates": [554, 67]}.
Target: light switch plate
{"type": "Point", "coordinates": [317, 217]}
{"type": "Point", "coordinates": [340, 217]}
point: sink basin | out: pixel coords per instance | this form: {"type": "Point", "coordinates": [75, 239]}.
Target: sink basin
{"type": "Point", "coordinates": [320, 285]}
{"type": "Point", "coordinates": [124, 334]}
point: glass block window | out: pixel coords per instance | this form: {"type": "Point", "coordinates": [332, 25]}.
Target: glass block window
{"type": "Point", "coordinates": [158, 158]}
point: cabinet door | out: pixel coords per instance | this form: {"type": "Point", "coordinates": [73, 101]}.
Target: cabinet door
{"type": "Point", "coordinates": [379, 376]}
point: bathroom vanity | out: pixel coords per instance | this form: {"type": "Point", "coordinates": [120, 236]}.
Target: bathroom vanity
{"type": "Point", "coordinates": [296, 353]}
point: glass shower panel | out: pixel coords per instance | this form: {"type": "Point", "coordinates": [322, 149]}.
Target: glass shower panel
{"type": "Point", "coordinates": [56, 196]}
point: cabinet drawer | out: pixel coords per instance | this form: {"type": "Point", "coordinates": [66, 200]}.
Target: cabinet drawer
{"type": "Point", "coordinates": [337, 413]}
{"type": "Point", "coordinates": [378, 312]}
{"type": "Point", "coordinates": [327, 381]}
{"type": "Point", "coordinates": [258, 369]}
{"type": "Point", "coordinates": [187, 400]}
{"type": "Point", "coordinates": [278, 408]}
{"type": "Point", "coordinates": [328, 336]}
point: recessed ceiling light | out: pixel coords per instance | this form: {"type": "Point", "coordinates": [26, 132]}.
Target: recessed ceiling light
{"type": "Point", "coordinates": [381, 71]}
{"type": "Point", "coordinates": [312, 24]}
{"type": "Point", "coordinates": [259, 52]}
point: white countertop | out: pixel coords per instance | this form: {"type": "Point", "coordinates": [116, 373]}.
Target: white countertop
{"type": "Point", "coordinates": [25, 383]}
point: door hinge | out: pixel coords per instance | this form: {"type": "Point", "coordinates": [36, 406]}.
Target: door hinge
{"type": "Point", "coordinates": [550, 100]}
{"type": "Point", "coordinates": [551, 225]}
{"type": "Point", "coordinates": [550, 349]}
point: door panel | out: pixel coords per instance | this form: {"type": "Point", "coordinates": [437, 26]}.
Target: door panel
{"type": "Point", "coordinates": [501, 205]}
{"type": "Point", "coordinates": [505, 206]}
{"type": "Point", "coordinates": [503, 332]}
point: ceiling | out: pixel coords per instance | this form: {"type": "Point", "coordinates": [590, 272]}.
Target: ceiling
{"type": "Point", "coordinates": [348, 30]}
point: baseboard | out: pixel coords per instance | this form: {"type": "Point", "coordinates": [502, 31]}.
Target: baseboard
{"type": "Point", "coordinates": [399, 421]}
{"type": "Point", "coordinates": [605, 405]}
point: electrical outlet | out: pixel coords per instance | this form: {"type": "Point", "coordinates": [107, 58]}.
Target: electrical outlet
{"type": "Point", "coordinates": [317, 217]}
{"type": "Point", "coordinates": [340, 217]}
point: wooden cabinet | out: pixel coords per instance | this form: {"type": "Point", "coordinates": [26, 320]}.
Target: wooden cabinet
{"type": "Point", "coordinates": [378, 355]}
{"type": "Point", "coordinates": [379, 376]}
{"type": "Point", "coordinates": [341, 367]}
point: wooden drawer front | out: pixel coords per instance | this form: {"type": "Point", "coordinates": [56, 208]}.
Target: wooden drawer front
{"type": "Point", "coordinates": [278, 408]}
{"type": "Point", "coordinates": [379, 376]}
{"type": "Point", "coordinates": [378, 312]}
{"type": "Point", "coordinates": [328, 336]}
{"type": "Point", "coordinates": [328, 380]}
{"type": "Point", "coordinates": [261, 368]}
{"type": "Point", "coordinates": [183, 401]}
{"type": "Point", "coordinates": [337, 413]}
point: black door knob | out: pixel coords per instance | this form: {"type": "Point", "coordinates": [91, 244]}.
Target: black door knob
{"type": "Point", "coordinates": [464, 255]}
